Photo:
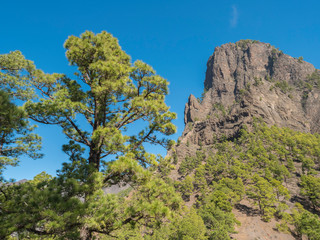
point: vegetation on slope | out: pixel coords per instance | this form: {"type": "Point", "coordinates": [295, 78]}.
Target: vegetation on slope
{"type": "Point", "coordinates": [260, 166]}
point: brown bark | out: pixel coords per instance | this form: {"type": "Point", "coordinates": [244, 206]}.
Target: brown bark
{"type": "Point", "coordinates": [94, 157]}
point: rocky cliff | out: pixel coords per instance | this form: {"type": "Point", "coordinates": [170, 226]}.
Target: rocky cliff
{"type": "Point", "coordinates": [252, 79]}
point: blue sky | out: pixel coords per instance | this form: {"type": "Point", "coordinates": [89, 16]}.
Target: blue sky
{"type": "Point", "coordinates": [175, 37]}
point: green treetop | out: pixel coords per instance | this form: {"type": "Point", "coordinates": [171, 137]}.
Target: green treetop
{"type": "Point", "coordinates": [109, 94]}
{"type": "Point", "coordinates": [15, 75]}
{"type": "Point", "coordinates": [16, 137]}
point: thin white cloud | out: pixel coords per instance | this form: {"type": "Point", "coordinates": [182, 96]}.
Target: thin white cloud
{"type": "Point", "coordinates": [234, 16]}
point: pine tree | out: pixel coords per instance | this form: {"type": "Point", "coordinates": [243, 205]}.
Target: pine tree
{"type": "Point", "coordinates": [101, 112]}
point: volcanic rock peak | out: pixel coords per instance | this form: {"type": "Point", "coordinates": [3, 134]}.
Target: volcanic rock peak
{"type": "Point", "coordinates": [250, 79]}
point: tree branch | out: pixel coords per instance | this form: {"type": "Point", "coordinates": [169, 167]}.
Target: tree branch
{"type": "Point", "coordinates": [81, 134]}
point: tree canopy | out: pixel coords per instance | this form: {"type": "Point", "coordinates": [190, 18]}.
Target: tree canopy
{"type": "Point", "coordinates": [95, 111]}
{"type": "Point", "coordinates": [16, 133]}
{"type": "Point", "coordinates": [109, 94]}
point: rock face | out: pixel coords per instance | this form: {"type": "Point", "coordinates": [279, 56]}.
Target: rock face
{"type": "Point", "coordinates": [251, 79]}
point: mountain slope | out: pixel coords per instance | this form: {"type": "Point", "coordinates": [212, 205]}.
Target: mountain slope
{"type": "Point", "coordinates": [251, 142]}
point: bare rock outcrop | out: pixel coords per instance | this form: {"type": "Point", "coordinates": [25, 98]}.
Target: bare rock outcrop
{"type": "Point", "coordinates": [251, 79]}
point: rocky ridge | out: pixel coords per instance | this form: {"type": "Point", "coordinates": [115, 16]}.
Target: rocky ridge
{"type": "Point", "coordinates": [251, 79]}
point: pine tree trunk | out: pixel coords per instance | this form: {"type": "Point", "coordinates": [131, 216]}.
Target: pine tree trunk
{"type": "Point", "coordinates": [94, 157]}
